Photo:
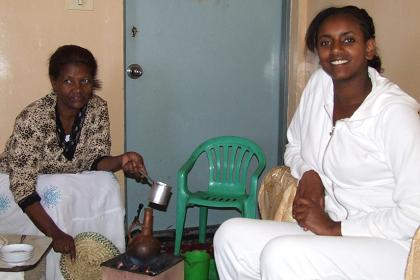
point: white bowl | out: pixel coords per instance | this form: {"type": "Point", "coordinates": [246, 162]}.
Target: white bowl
{"type": "Point", "coordinates": [16, 252]}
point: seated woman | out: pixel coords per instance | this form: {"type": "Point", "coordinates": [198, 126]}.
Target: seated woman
{"type": "Point", "coordinates": [354, 146]}
{"type": "Point", "coordinates": [66, 131]}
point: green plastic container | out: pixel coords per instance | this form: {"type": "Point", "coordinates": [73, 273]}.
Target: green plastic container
{"type": "Point", "coordinates": [213, 270]}
{"type": "Point", "coordinates": [196, 265]}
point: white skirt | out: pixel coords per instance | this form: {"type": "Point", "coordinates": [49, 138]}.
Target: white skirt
{"type": "Point", "coordinates": [87, 201]}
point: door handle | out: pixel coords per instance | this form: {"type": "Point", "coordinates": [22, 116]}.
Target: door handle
{"type": "Point", "coordinates": [134, 71]}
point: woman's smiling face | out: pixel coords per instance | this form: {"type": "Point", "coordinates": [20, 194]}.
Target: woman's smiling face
{"type": "Point", "coordinates": [342, 49]}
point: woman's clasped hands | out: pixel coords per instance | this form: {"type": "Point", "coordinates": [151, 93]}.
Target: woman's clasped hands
{"type": "Point", "coordinates": [309, 206]}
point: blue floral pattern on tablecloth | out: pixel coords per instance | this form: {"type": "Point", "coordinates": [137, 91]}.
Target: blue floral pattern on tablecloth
{"type": "Point", "coordinates": [5, 203]}
{"type": "Point", "coordinates": [51, 197]}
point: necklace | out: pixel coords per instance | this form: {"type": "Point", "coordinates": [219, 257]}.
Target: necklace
{"type": "Point", "coordinates": [69, 141]}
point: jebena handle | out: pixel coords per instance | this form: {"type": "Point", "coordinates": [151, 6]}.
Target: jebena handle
{"type": "Point", "coordinates": [136, 222]}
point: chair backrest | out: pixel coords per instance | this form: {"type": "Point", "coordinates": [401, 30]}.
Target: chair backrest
{"type": "Point", "coordinates": [229, 159]}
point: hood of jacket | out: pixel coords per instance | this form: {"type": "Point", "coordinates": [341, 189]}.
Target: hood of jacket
{"type": "Point", "coordinates": [384, 93]}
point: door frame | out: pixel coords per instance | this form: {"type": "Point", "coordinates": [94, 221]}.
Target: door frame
{"type": "Point", "coordinates": [284, 82]}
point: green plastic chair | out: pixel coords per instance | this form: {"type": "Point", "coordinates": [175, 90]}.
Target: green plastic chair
{"type": "Point", "coordinates": [229, 159]}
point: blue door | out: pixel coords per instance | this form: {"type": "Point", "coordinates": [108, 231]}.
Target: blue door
{"type": "Point", "coordinates": [210, 68]}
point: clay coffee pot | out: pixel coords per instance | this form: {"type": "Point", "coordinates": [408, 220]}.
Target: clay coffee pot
{"type": "Point", "coordinates": [143, 246]}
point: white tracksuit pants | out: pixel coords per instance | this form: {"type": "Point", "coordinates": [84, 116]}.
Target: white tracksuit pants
{"type": "Point", "coordinates": [261, 249]}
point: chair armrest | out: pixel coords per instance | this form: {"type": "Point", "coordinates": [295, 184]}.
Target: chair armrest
{"type": "Point", "coordinates": [188, 165]}
{"type": "Point", "coordinates": [275, 197]}
{"type": "Point", "coordinates": [412, 271]}
{"type": "Point", "coordinates": [254, 179]}
{"type": "Point", "coordinates": [182, 174]}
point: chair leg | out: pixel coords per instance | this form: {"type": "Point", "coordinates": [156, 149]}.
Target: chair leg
{"type": "Point", "coordinates": [180, 222]}
{"type": "Point", "coordinates": [202, 224]}
{"type": "Point", "coordinates": [250, 210]}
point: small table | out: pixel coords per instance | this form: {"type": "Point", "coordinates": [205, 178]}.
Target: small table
{"type": "Point", "coordinates": [42, 245]}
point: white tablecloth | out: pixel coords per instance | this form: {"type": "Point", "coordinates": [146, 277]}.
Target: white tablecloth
{"type": "Point", "coordinates": [11, 275]}
{"type": "Point", "coordinates": [88, 201]}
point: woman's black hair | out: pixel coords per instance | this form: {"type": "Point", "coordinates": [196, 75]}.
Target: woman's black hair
{"type": "Point", "coordinates": [69, 54]}
{"type": "Point", "coordinates": [362, 17]}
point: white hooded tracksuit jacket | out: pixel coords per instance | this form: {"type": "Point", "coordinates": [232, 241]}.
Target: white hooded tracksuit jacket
{"type": "Point", "coordinates": [369, 163]}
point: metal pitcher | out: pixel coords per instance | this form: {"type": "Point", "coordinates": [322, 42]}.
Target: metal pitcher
{"type": "Point", "coordinates": [160, 193]}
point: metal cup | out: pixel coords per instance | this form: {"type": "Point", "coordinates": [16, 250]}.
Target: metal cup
{"type": "Point", "coordinates": [160, 193]}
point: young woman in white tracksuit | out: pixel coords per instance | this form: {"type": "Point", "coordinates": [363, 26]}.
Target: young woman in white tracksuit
{"type": "Point", "coordinates": [354, 145]}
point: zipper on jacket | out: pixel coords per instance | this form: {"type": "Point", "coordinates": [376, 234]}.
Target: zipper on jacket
{"type": "Point", "coordinates": [328, 144]}
{"type": "Point", "coordinates": [331, 133]}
